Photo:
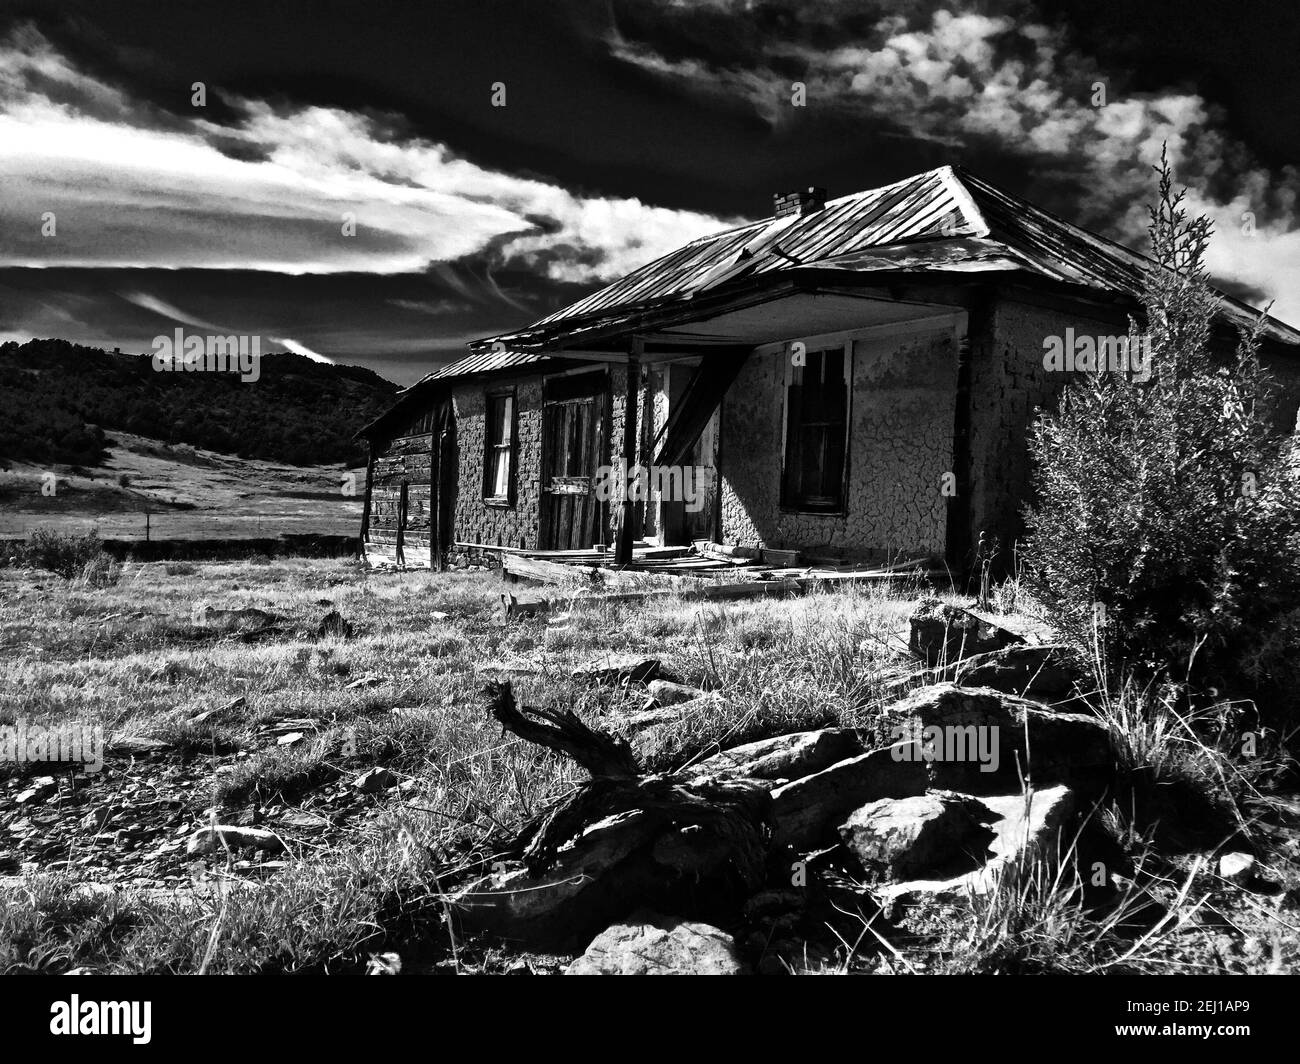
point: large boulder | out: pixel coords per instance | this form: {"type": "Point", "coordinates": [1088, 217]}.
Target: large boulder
{"type": "Point", "coordinates": [783, 757]}
{"type": "Point", "coordinates": [980, 741]}
{"type": "Point", "coordinates": [1026, 828]}
{"type": "Point", "coordinates": [1041, 671]}
{"type": "Point", "coordinates": [650, 944]}
{"type": "Point", "coordinates": [806, 810]}
{"type": "Point", "coordinates": [909, 837]}
{"type": "Point", "coordinates": [942, 633]}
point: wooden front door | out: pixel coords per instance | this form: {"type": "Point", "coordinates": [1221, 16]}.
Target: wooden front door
{"type": "Point", "coordinates": [574, 411]}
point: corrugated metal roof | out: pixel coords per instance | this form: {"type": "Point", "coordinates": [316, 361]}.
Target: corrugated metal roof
{"type": "Point", "coordinates": [944, 220]}
{"type": "Point", "coordinates": [481, 362]}
{"type": "Point", "coordinates": [914, 209]}
{"type": "Point", "coordinates": [487, 362]}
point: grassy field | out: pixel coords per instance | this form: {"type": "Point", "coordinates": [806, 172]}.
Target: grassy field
{"type": "Point", "coordinates": [188, 493]}
{"type": "Point", "coordinates": [256, 720]}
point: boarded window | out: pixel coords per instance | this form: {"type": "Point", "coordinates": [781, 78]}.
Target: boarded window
{"type": "Point", "coordinates": [816, 432]}
{"type": "Point", "coordinates": [499, 460]}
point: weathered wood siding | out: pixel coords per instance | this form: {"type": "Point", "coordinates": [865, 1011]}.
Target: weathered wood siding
{"type": "Point", "coordinates": [407, 462]}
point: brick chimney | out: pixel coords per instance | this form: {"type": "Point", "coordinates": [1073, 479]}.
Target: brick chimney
{"type": "Point", "coordinates": [800, 203]}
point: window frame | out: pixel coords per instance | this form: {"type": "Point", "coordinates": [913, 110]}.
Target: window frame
{"type": "Point", "coordinates": [799, 506]}
{"type": "Point", "coordinates": [492, 397]}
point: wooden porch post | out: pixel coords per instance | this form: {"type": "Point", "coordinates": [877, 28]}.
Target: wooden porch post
{"type": "Point", "coordinates": [623, 548]}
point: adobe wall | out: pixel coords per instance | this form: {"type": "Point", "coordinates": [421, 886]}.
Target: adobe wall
{"type": "Point", "coordinates": [1008, 384]}
{"type": "Point", "coordinates": [477, 521]}
{"type": "Point", "coordinates": [516, 525]}
{"type": "Point", "coordinates": [900, 445]}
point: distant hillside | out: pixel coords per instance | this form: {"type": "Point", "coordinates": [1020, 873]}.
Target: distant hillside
{"type": "Point", "coordinates": [57, 399]}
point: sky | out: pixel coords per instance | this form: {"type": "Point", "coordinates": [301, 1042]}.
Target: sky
{"type": "Point", "coordinates": [377, 183]}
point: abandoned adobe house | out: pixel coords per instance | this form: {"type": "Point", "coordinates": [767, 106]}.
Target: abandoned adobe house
{"type": "Point", "coordinates": [851, 380]}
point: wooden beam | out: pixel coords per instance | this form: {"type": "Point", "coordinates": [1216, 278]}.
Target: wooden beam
{"type": "Point", "coordinates": [623, 548]}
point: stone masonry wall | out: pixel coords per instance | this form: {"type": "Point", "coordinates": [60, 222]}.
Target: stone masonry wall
{"type": "Point", "coordinates": [1008, 385]}
{"type": "Point", "coordinates": [480, 522]}
{"type": "Point", "coordinates": [519, 524]}
{"type": "Point", "coordinates": [900, 445]}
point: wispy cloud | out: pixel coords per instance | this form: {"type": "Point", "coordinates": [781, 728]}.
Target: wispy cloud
{"type": "Point", "coordinates": [94, 178]}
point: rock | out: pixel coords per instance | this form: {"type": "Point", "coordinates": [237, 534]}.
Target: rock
{"type": "Point", "coordinates": [909, 837]}
{"type": "Point", "coordinates": [138, 745]}
{"type": "Point", "coordinates": [785, 757]}
{"type": "Point", "coordinates": [973, 741]}
{"type": "Point", "coordinates": [651, 718]}
{"type": "Point", "coordinates": [289, 738]}
{"type": "Point", "coordinates": [650, 944]}
{"type": "Point", "coordinates": [1237, 868]}
{"type": "Point", "coordinates": [301, 820]}
{"type": "Point", "coordinates": [806, 810]}
{"type": "Point", "coordinates": [42, 789]}
{"type": "Point", "coordinates": [334, 624]}
{"type": "Point", "coordinates": [1041, 670]}
{"type": "Point", "coordinates": [219, 711]}
{"type": "Point", "coordinates": [619, 669]}
{"type": "Point", "coordinates": [209, 840]}
{"type": "Point", "coordinates": [942, 633]}
{"type": "Point", "coordinates": [1023, 831]}
{"type": "Point", "coordinates": [242, 620]}
{"type": "Point", "coordinates": [667, 693]}
{"type": "Point", "coordinates": [374, 780]}
{"type": "Point", "coordinates": [365, 681]}
{"type": "Point", "coordinates": [95, 820]}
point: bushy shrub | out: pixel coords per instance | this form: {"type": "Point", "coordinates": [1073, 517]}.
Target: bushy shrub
{"type": "Point", "coordinates": [64, 553]}
{"type": "Point", "coordinates": [1166, 528]}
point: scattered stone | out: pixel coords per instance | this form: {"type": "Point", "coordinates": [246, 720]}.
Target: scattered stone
{"type": "Point", "coordinates": [138, 745]}
{"type": "Point", "coordinates": [942, 633]}
{"type": "Point", "coordinates": [242, 620]}
{"type": "Point", "coordinates": [619, 669]}
{"type": "Point", "coordinates": [95, 820]}
{"type": "Point", "coordinates": [652, 718]}
{"type": "Point", "coordinates": [42, 789]}
{"type": "Point", "coordinates": [667, 693]}
{"type": "Point", "coordinates": [908, 837]}
{"type": "Point", "coordinates": [220, 711]}
{"type": "Point", "coordinates": [374, 780]}
{"type": "Point", "coordinates": [1237, 868]}
{"type": "Point", "coordinates": [209, 840]}
{"type": "Point", "coordinates": [384, 964]}
{"type": "Point", "coordinates": [300, 820]}
{"type": "Point", "coordinates": [650, 944]}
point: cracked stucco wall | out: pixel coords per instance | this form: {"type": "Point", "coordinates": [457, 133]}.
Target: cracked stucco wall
{"type": "Point", "coordinates": [900, 445]}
